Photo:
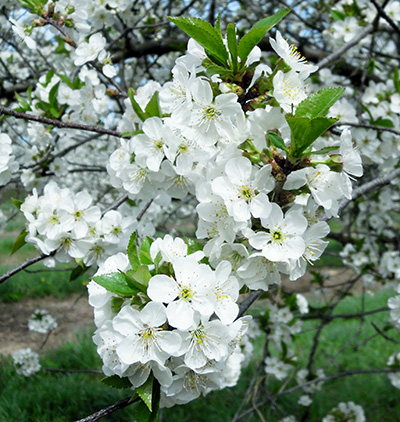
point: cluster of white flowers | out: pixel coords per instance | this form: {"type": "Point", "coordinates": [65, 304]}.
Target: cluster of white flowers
{"type": "Point", "coordinates": [68, 223]}
{"type": "Point", "coordinates": [26, 362]}
{"type": "Point", "coordinates": [41, 321]}
{"type": "Point", "coordinates": [394, 363]}
{"type": "Point", "coordinates": [182, 325]}
{"type": "Point", "coordinates": [349, 411]}
{"type": "Point", "coordinates": [173, 335]}
{"type": "Point", "coordinates": [8, 164]}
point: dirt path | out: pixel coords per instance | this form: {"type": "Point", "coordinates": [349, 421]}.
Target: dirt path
{"type": "Point", "coordinates": [14, 332]}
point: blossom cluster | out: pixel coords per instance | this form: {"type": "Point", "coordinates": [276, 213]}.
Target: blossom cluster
{"type": "Point", "coordinates": [8, 163]}
{"type": "Point", "coordinates": [26, 362]}
{"type": "Point", "coordinates": [172, 334]}
{"type": "Point", "coordinates": [68, 224]}
{"type": "Point", "coordinates": [41, 321]}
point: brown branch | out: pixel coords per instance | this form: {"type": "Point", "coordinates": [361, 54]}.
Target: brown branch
{"type": "Point", "coordinates": [104, 412]}
{"type": "Point", "coordinates": [369, 187]}
{"type": "Point", "coordinates": [6, 111]}
{"type": "Point", "coordinates": [338, 53]}
{"type": "Point", "coordinates": [324, 379]}
{"type": "Point", "coordinates": [22, 266]}
{"type": "Point", "coordinates": [367, 126]}
{"type": "Point", "coordinates": [343, 316]}
{"type": "Point", "coordinates": [74, 371]}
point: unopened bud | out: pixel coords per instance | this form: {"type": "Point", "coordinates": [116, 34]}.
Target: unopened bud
{"type": "Point", "coordinates": [335, 162]}
{"type": "Point", "coordinates": [69, 9]}
{"type": "Point", "coordinates": [235, 88]}
{"type": "Point", "coordinates": [69, 23]}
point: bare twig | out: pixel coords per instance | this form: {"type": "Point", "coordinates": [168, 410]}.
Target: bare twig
{"type": "Point", "coordinates": [6, 111]}
{"type": "Point", "coordinates": [338, 53]}
{"type": "Point", "coordinates": [104, 412]}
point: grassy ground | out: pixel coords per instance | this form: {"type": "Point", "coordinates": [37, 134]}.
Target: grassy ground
{"type": "Point", "coordinates": [58, 397]}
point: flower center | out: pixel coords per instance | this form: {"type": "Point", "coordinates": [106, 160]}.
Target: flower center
{"type": "Point", "coordinates": [210, 113]}
{"type": "Point", "coordinates": [186, 294]}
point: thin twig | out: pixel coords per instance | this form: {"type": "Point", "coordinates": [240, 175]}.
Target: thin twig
{"type": "Point", "coordinates": [110, 409]}
{"type": "Point", "coordinates": [6, 111]}
{"type": "Point", "coordinates": [338, 53]}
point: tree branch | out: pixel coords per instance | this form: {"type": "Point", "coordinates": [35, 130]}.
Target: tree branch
{"type": "Point", "coordinates": [338, 53]}
{"type": "Point", "coordinates": [104, 412]}
{"type": "Point", "coordinates": [6, 111]}
{"type": "Point", "coordinates": [369, 187]}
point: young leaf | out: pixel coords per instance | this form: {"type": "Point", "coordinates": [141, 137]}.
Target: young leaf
{"type": "Point", "coordinates": [132, 252]}
{"type": "Point", "coordinates": [53, 95]}
{"type": "Point", "coordinates": [218, 25]}
{"type": "Point", "coordinates": [277, 141]}
{"type": "Point", "coordinates": [338, 16]}
{"type": "Point", "coordinates": [17, 202]}
{"type": "Point", "coordinates": [116, 382]}
{"type": "Point", "coordinates": [145, 392]}
{"type": "Point", "coordinates": [324, 151]}
{"type": "Point", "coordinates": [153, 108]}
{"type": "Point", "coordinates": [116, 303]}
{"type": "Point", "coordinates": [232, 45]}
{"type": "Point", "coordinates": [19, 241]}
{"type": "Point", "coordinates": [257, 33]}
{"type": "Point", "coordinates": [206, 35]}
{"type": "Point", "coordinates": [305, 131]}
{"type": "Point", "coordinates": [116, 283]}
{"type": "Point", "coordinates": [66, 80]}
{"type": "Point", "coordinates": [136, 107]}
{"type": "Point", "coordinates": [77, 272]}
{"type": "Point", "coordinates": [142, 276]}
{"type": "Point", "coordinates": [24, 104]}
{"type": "Point", "coordinates": [319, 103]}
{"type": "Point", "coordinates": [144, 253]}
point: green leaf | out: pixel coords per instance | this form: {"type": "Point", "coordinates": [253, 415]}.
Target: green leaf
{"type": "Point", "coordinates": [25, 105]}
{"type": "Point", "coordinates": [17, 202]}
{"type": "Point", "coordinates": [206, 35]}
{"type": "Point", "coordinates": [218, 25]}
{"type": "Point", "coordinates": [214, 69]}
{"type": "Point", "coordinates": [324, 151]}
{"type": "Point", "coordinates": [305, 131]}
{"type": "Point", "coordinates": [319, 103]}
{"type": "Point", "coordinates": [116, 283]}
{"type": "Point", "coordinates": [19, 241]}
{"type": "Point", "coordinates": [66, 80]}
{"type": "Point", "coordinates": [232, 45]}
{"type": "Point", "coordinates": [277, 141]}
{"type": "Point", "coordinates": [132, 252]}
{"type": "Point", "coordinates": [145, 392]}
{"type": "Point", "coordinates": [147, 410]}
{"type": "Point", "coordinates": [383, 122]}
{"type": "Point", "coordinates": [136, 107]}
{"type": "Point", "coordinates": [77, 272]}
{"type": "Point", "coordinates": [35, 5]}
{"type": "Point", "coordinates": [144, 253]}
{"type": "Point", "coordinates": [116, 303]}
{"type": "Point", "coordinates": [257, 33]}
{"type": "Point", "coordinates": [142, 413]}
{"type": "Point", "coordinates": [142, 276]}
{"type": "Point", "coordinates": [53, 95]}
{"type": "Point", "coordinates": [338, 16]}
{"type": "Point", "coordinates": [49, 75]}
{"type": "Point", "coordinates": [153, 108]}
{"type": "Point", "coordinates": [61, 47]}
{"type": "Point", "coordinates": [117, 382]}
{"type": "Point", "coordinates": [396, 79]}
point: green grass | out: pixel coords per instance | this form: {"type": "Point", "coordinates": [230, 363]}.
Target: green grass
{"type": "Point", "coordinates": [59, 397]}
{"type": "Point", "coordinates": [36, 280]}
